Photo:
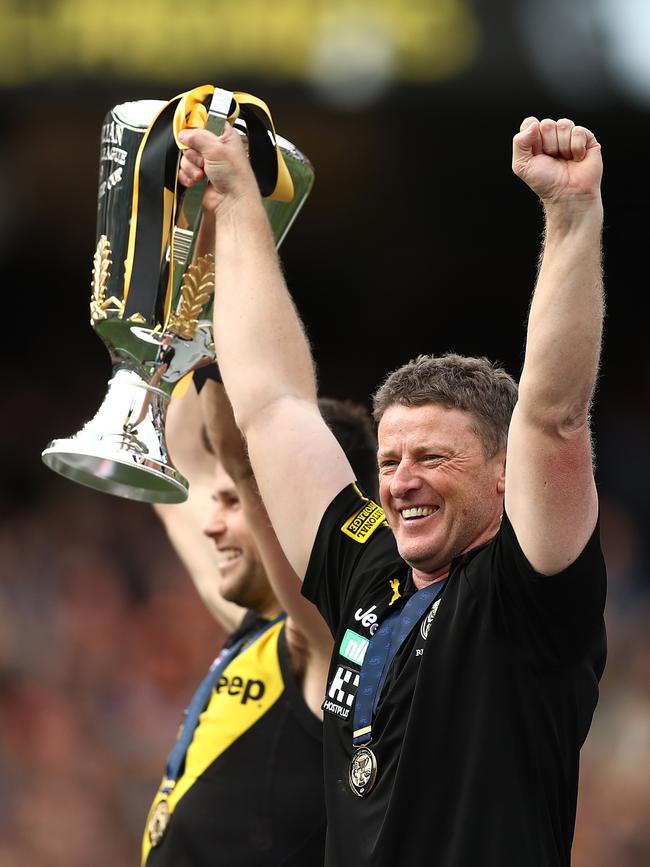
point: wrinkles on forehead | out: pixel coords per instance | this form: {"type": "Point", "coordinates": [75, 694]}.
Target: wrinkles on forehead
{"type": "Point", "coordinates": [427, 428]}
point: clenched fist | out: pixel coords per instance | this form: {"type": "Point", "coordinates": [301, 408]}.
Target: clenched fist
{"type": "Point", "coordinates": [560, 162]}
{"type": "Point", "coordinates": [223, 160]}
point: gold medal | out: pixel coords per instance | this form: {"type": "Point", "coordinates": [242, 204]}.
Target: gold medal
{"type": "Point", "coordinates": [158, 822]}
{"type": "Point", "coordinates": [363, 772]}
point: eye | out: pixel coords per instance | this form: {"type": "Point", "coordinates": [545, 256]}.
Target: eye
{"type": "Point", "coordinates": [230, 501]}
{"type": "Point", "coordinates": [386, 465]}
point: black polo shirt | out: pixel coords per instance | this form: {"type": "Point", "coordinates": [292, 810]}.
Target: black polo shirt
{"type": "Point", "coordinates": [486, 705]}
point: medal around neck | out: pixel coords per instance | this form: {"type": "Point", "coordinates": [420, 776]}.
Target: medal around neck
{"type": "Point", "coordinates": [158, 822]}
{"type": "Point", "coordinates": [153, 278]}
{"type": "Point", "coordinates": [363, 771]}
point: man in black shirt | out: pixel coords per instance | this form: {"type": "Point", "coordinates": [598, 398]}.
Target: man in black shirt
{"type": "Point", "coordinates": [466, 609]}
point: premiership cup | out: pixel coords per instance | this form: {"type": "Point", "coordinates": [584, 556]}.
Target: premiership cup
{"type": "Point", "coordinates": [153, 279]}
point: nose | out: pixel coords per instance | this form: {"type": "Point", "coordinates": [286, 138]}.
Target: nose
{"type": "Point", "coordinates": [215, 526]}
{"type": "Point", "coordinates": [404, 480]}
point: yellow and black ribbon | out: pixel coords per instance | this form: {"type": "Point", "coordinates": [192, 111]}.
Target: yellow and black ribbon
{"type": "Point", "coordinates": [266, 158]}
{"type": "Point", "coordinates": [268, 163]}
{"type": "Point", "coordinates": [148, 275]}
{"type": "Point", "coordinates": [148, 270]}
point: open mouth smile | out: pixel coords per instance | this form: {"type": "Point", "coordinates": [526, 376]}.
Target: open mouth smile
{"type": "Point", "coordinates": [228, 555]}
{"type": "Point", "coordinates": [415, 512]}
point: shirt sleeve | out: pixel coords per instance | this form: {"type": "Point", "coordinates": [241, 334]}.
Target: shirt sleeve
{"type": "Point", "coordinates": [353, 547]}
{"type": "Point", "coordinates": [554, 619]}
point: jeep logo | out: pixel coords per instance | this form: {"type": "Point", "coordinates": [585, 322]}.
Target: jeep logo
{"type": "Point", "coordinates": [251, 690]}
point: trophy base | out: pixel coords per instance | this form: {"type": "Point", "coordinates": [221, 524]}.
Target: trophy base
{"type": "Point", "coordinates": [122, 450]}
{"type": "Point", "coordinates": [135, 477]}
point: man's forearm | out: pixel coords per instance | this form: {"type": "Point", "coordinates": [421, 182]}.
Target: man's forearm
{"type": "Point", "coordinates": [566, 315]}
{"type": "Point", "coordinates": [224, 435]}
{"type": "Point", "coordinates": [263, 352]}
{"type": "Point", "coordinates": [262, 349]}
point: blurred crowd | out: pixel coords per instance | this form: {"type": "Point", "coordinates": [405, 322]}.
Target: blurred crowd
{"type": "Point", "coordinates": [613, 827]}
{"type": "Point", "coordinates": [103, 639]}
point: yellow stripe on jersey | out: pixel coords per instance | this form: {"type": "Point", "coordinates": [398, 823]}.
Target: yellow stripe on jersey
{"type": "Point", "coordinates": [247, 689]}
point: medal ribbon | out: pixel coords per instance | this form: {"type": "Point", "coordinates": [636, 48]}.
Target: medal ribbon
{"type": "Point", "coordinates": [148, 275]}
{"type": "Point", "coordinates": [381, 651]}
{"type": "Point", "coordinates": [199, 702]}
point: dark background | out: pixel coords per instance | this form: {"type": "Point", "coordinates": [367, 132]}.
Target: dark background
{"type": "Point", "coordinates": [417, 238]}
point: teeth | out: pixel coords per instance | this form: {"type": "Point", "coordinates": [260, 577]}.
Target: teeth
{"type": "Point", "coordinates": [229, 553]}
{"type": "Point", "coordinates": [419, 512]}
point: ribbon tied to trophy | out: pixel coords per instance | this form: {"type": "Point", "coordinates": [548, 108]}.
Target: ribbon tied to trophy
{"type": "Point", "coordinates": [153, 278]}
{"type": "Point", "coordinates": [155, 191]}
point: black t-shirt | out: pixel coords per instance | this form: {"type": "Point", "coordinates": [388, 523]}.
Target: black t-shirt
{"type": "Point", "coordinates": [486, 705]}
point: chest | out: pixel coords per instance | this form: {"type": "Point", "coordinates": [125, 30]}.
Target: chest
{"type": "Point", "coordinates": [386, 627]}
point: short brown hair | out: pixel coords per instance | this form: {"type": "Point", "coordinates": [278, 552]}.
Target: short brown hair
{"type": "Point", "coordinates": [475, 385]}
{"type": "Point", "coordinates": [353, 427]}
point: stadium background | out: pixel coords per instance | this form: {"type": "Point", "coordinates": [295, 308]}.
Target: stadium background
{"type": "Point", "coordinates": [416, 238]}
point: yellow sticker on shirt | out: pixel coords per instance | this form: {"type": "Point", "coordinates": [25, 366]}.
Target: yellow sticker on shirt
{"type": "Point", "coordinates": [362, 524]}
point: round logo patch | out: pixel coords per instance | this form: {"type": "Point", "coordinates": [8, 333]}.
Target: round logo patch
{"type": "Point", "coordinates": [425, 628]}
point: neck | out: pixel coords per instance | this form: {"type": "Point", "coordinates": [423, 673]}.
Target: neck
{"type": "Point", "coordinates": [423, 579]}
{"type": "Point", "coordinates": [268, 611]}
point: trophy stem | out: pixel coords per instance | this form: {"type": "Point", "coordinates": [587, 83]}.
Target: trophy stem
{"type": "Point", "coordinates": [122, 450]}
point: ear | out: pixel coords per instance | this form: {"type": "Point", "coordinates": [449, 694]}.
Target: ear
{"type": "Point", "coordinates": [501, 472]}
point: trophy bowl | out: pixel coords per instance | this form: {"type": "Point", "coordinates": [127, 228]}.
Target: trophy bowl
{"type": "Point", "coordinates": [153, 281]}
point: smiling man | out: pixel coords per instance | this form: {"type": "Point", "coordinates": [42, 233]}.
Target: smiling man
{"type": "Point", "coordinates": [467, 609]}
{"type": "Point", "coordinates": [244, 782]}
{"type": "Point", "coordinates": [434, 435]}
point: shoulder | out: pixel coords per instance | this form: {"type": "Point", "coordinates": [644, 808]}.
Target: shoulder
{"type": "Point", "coordinates": [550, 618]}
{"type": "Point", "coordinates": [353, 530]}
{"type": "Point", "coordinates": [354, 549]}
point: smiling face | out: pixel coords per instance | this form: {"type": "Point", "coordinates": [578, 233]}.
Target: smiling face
{"type": "Point", "coordinates": [242, 578]}
{"type": "Point", "coordinates": [441, 494]}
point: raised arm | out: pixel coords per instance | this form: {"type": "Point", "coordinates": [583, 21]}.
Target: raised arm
{"type": "Point", "coordinates": [550, 490]}
{"type": "Point", "coordinates": [263, 353]}
{"type": "Point", "coordinates": [184, 522]}
{"type": "Point", "coordinates": [227, 441]}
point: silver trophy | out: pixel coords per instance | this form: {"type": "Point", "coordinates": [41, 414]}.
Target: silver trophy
{"type": "Point", "coordinates": [153, 280]}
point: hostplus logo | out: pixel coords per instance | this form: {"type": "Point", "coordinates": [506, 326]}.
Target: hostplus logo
{"type": "Point", "coordinates": [341, 692]}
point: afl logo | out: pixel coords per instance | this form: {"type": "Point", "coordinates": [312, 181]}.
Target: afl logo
{"type": "Point", "coordinates": [426, 623]}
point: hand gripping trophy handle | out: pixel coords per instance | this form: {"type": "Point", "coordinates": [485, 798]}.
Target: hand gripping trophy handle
{"type": "Point", "coordinates": [154, 313]}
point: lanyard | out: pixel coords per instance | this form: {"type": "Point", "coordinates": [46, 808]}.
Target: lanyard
{"type": "Point", "coordinates": [381, 651]}
{"type": "Point", "coordinates": [200, 700]}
